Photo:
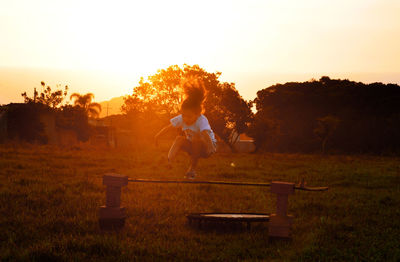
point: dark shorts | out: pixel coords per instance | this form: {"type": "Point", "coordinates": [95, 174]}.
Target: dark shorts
{"type": "Point", "coordinates": [187, 146]}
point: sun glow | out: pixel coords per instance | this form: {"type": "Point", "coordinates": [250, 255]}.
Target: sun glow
{"type": "Point", "coordinates": [245, 40]}
{"type": "Point", "coordinates": [123, 36]}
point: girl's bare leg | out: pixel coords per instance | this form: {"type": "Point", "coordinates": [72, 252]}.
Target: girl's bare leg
{"type": "Point", "coordinates": [197, 145]}
{"type": "Point", "coordinates": [205, 136]}
{"type": "Point", "coordinates": [176, 146]}
{"type": "Point", "coordinates": [199, 141]}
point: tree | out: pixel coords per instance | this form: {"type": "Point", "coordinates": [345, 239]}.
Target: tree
{"type": "Point", "coordinates": [229, 114]}
{"type": "Point", "coordinates": [92, 109]}
{"type": "Point", "coordinates": [74, 118]}
{"type": "Point", "coordinates": [47, 97]}
{"type": "Point", "coordinates": [326, 127]}
{"type": "Point", "coordinates": [264, 131]}
{"type": "Point", "coordinates": [160, 94]}
{"type": "Point", "coordinates": [369, 116]}
{"type": "Point", "coordinates": [159, 98]}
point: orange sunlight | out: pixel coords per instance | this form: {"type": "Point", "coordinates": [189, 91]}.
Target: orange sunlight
{"type": "Point", "coordinates": [108, 45]}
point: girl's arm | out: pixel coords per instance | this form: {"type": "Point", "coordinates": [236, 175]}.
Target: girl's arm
{"type": "Point", "coordinates": [164, 130]}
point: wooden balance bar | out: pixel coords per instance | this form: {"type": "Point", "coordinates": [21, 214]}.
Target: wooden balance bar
{"type": "Point", "coordinates": [112, 215]}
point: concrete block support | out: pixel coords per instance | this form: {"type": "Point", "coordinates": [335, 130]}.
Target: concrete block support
{"type": "Point", "coordinates": [280, 223]}
{"type": "Point", "coordinates": [112, 215]}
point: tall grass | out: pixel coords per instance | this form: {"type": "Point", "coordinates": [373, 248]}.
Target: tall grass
{"type": "Point", "coordinates": [49, 199]}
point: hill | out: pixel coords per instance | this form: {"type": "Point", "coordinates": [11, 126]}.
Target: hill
{"type": "Point", "coordinates": [112, 106]}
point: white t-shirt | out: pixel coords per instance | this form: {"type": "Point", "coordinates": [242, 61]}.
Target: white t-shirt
{"type": "Point", "coordinates": [198, 126]}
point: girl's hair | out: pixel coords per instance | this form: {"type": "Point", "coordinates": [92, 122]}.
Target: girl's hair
{"type": "Point", "coordinates": [195, 94]}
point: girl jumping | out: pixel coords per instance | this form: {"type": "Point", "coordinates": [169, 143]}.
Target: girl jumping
{"type": "Point", "coordinates": [199, 139]}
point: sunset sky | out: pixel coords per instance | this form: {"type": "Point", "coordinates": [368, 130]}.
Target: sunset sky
{"type": "Point", "coordinates": [105, 46]}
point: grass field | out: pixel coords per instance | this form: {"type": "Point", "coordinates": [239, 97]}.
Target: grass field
{"type": "Point", "coordinates": [49, 200]}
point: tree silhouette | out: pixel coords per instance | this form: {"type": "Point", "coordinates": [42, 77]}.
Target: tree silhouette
{"type": "Point", "coordinates": [74, 118]}
{"type": "Point", "coordinates": [264, 130]}
{"type": "Point", "coordinates": [92, 109]}
{"type": "Point", "coordinates": [369, 116]}
{"type": "Point", "coordinates": [160, 94]}
{"type": "Point", "coordinates": [159, 98]}
{"type": "Point", "coordinates": [229, 114]}
{"type": "Point", "coordinates": [326, 127]}
{"type": "Point", "coordinates": [46, 96]}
